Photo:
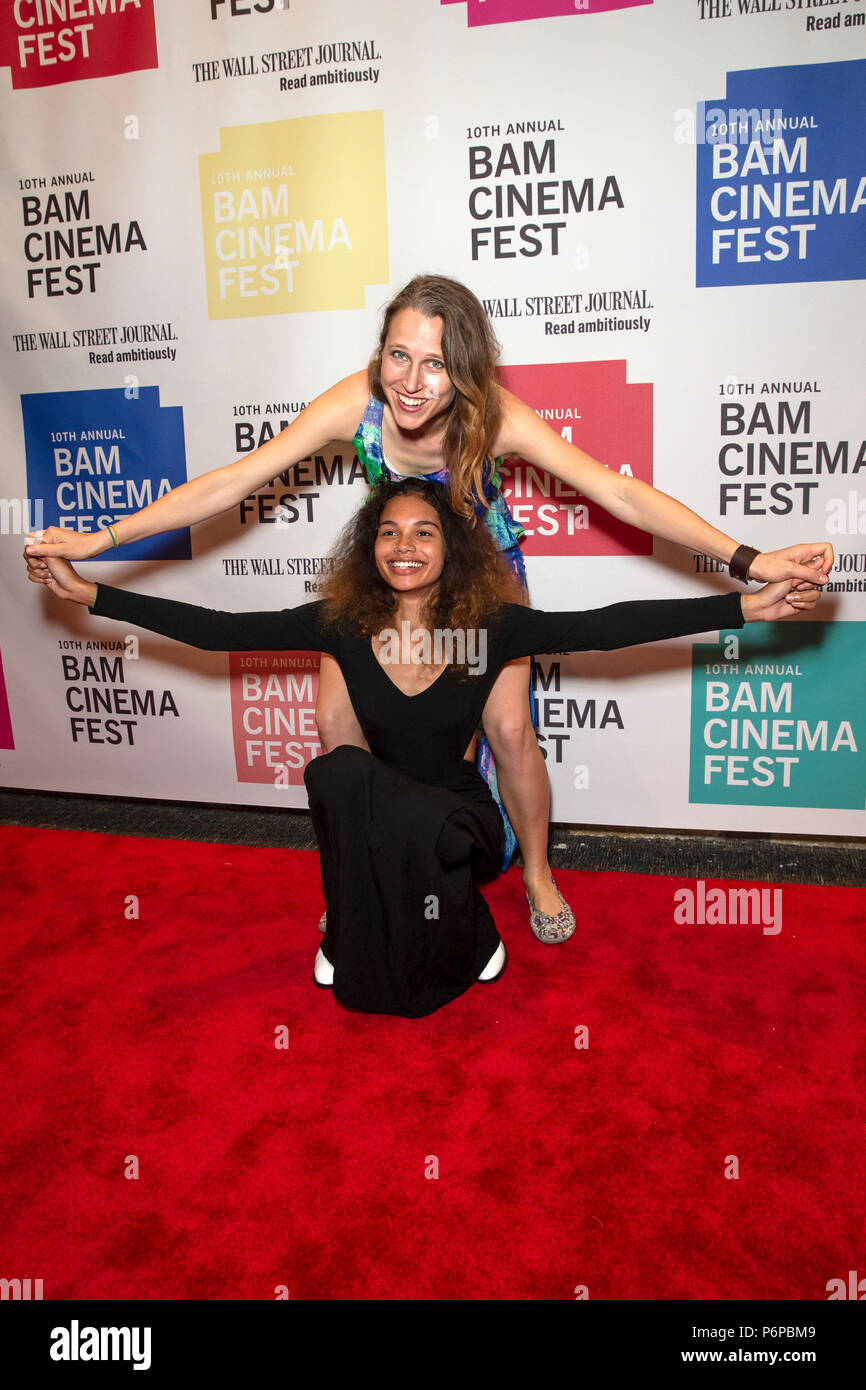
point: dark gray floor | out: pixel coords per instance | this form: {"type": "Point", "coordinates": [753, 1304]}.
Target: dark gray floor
{"type": "Point", "coordinates": [779, 859]}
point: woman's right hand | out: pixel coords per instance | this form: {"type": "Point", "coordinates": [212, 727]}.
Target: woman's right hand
{"type": "Point", "coordinates": [62, 580]}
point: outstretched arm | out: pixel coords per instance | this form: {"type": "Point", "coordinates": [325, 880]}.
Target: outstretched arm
{"type": "Point", "coordinates": [333, 415]}
{"type": "Point", "coordinates": [528, 631]}
{"type": "Point", "coordinates": [209, 629]}
{"type": "Point", "coordinates": [523, 433]}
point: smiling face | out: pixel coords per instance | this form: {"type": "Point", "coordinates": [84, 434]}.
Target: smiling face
{"type": "Point", "coordinates": [410, 547]}
{"type": "Point", "coordinates": [414, 379]}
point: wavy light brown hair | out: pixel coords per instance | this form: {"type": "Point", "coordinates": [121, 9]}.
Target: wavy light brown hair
{"type": "Point", "coordinates": [470, 352]}
{"type": "Point", "coordinates": [476, 580]}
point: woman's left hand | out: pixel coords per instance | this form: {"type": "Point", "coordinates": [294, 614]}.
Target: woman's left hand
{"type": "Point", "coordinates": [776, 602]}
{"type": "Point", "coordinates": [808, 564]}
{"type": "Point", "coordinates": [63, 580]}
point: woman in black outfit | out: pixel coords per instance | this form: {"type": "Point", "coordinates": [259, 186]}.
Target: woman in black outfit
{"type": "Point", "coordinates": [420, 614]}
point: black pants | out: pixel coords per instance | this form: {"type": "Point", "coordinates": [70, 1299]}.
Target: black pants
{"type": "Point", "coordinates": [408, 930]}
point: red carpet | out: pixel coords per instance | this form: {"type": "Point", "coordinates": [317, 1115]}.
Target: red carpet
{"type": "Point", "coordinates": [558, 1166]}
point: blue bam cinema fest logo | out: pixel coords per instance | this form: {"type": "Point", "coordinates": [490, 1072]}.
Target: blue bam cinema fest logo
{"type": "Point", "coordinates": [781, 193]}
{"type": "Point", "coordinates": [97, 456]}
{"type": "Point", "coordinates": [778, 717]}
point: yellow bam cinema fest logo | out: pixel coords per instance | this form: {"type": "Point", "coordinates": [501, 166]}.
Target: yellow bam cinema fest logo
{"type": "Point", "coordinates": [293, 214]}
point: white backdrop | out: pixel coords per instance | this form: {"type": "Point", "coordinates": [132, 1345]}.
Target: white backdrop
{"type": "Point", "coordinates": [207, 204]}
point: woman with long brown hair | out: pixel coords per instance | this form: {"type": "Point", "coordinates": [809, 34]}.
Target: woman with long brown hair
{"type": "Point", "coordinates": [429, 405]}
{"type": "Point", "coordinates": [420, 616]}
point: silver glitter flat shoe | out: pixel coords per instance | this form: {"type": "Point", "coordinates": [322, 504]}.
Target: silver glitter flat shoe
{"type": "Point", "coordinates": [551, 930]}
{"type": "Point", "coordinates": [323, 922]}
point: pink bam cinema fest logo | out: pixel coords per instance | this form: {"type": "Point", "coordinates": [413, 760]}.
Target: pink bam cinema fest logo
{"type": "Point", "coordinates": [45, 42]}
{"type": "Point", "coordinates": [274, 715]}
{"type": "Point", "coordinates": [592, 406]}
{"type": "Point", "coordinates": [507, 11]}
{"type": "Point", "coordinates": [6, 739]}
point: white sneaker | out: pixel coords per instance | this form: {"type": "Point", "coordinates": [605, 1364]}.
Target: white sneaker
{"type": "Point", "coordinates": [495, 966]}
{"type": "Point", "coordinates": [323, 971]}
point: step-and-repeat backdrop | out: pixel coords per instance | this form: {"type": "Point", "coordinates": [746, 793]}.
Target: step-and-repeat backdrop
{"type": "Point", "coordinates": [205, 206]}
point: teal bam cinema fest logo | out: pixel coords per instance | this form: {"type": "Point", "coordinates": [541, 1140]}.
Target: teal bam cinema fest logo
{"type": "Point", "coordinates": [778, 717]}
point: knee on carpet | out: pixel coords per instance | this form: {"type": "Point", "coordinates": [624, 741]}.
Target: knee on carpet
{"type": "Point", "coordinates": [337, 770]}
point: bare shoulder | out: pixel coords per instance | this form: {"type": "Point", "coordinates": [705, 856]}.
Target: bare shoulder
{"type": "Point", "coordinates": [341, 407]}
{"type": "Point", "coordinates": [518, 426]}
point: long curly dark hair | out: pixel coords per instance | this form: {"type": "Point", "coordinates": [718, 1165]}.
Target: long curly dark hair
{"type": "Point", "coordinates": [475, 580]}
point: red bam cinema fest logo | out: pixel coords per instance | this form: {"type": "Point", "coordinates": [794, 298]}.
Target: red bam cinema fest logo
{"type": "Point", "coordinates": [49, 41]}
{"type": "Point", "coordinates": [592, 406]}
{"type": "Point", "coordinates": [274, 715]}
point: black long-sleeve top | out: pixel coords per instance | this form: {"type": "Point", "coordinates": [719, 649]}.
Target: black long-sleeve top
{"type": "Point", "coordinates": [424, 735]}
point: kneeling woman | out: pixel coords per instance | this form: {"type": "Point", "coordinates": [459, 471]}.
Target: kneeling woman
{"type": "Point", "coordinates": [421, 615]}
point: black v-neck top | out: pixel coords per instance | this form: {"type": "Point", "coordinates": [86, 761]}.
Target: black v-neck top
{"type": "Point", "coordinates": [424, 735]}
